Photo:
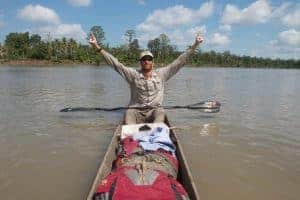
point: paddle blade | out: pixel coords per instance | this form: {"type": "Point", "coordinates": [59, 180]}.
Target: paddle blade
{"type": "Point", "coordinates": [210, 106]}
{"type": "Point", "coordinates": [66, 110]}
{"type": "Point", "coordinates": [69, 109]}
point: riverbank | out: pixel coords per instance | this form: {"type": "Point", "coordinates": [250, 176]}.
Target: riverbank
{"type": "Point", "coordinates": [39, 63]}
{"type": "Point", "coordinates": [45, 63]}
{"type": "Point", "coordinates": [26, 62]}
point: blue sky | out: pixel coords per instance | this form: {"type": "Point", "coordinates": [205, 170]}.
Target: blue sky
{"type": "Point", "coordinates": [267, 28]}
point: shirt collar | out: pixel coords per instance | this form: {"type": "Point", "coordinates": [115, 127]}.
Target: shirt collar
{"type": "Point", "coordinates": [153, 74]}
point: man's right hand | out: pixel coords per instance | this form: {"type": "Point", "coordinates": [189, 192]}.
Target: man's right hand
{"type": "Point", "coordinates": [199, 39]}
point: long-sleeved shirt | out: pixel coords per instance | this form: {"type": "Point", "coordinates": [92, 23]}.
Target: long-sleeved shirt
{"type": "Point", "coordinates": [147, 92]}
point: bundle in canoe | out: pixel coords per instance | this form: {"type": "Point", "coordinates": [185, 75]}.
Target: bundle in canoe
{"type": "Point", "coordinates": [184, 174]}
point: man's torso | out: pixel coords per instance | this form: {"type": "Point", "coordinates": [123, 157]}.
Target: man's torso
{"type": "Point", "coordinates": [147, 92]}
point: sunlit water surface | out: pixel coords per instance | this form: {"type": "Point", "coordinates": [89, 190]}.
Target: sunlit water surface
{"type": "Point", "coordinates": [250, 150]}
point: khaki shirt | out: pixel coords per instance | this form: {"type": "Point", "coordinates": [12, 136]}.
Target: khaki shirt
{"type": "Point", "coordinates": [147, 92]}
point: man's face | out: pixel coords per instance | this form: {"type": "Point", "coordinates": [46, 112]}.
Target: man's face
{"type": "Point", "coordinates": [147, 63]}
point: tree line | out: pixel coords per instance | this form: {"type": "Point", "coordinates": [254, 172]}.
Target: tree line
{"type": "Point", "coordinates": [23, 46]}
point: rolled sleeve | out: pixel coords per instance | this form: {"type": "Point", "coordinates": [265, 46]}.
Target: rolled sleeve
{"type": "Point", "coordinates": [170, 70]}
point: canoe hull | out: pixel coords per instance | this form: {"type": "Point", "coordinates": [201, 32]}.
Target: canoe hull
{"type": "Point", "coordinates": [184, 173]}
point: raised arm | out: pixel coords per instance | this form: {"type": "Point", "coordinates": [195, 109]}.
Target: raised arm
{"type": "Point", "coordinates": [125, 72]}
{"type": "Point", "coordinates": [171, 69]}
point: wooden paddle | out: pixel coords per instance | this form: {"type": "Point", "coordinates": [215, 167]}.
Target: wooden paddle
{"type": "Point", "coordinates": [209, 106]}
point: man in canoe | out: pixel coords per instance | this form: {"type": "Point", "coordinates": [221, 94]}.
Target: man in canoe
{"type": "Point", "coordinates": [146, 84]}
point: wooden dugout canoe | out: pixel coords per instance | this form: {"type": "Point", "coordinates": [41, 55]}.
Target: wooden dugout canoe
{"type": "Point", "coordinates": [184, 173]}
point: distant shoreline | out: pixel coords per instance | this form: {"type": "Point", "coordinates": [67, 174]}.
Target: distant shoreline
{"type": "Point", "coordinates": [41, 63]}
{"type": "Point", "coordinates": [24, 49]}
{"type": "Point", "coordinates": [47, 63]}
{"type": "Point", "coordinates": [27, 62]}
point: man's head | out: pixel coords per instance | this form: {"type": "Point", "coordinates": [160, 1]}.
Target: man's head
{"type": "Point", "coordinates": [146, 60]}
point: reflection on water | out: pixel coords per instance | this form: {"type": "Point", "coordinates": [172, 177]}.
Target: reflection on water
{"type": "Point", "coordinates": [209, 129]}
{"type": "Point", "coordinates": [250, 150]}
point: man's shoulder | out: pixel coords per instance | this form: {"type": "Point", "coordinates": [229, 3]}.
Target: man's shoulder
{"type": "Point", "coordinates": [158, 72]}
{"type": "Point", "coordinates": [134, 71]}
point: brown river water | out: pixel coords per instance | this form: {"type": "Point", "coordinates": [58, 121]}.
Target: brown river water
{"type": "Point", "coordinates": [250, 150]}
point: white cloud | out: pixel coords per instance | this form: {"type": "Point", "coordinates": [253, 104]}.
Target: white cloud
{"type": "Point", "coordinates": [175, 16]}
{"type": "Point", "coordinates": [53, 27]}
{"type": "Point", "coordinates": [287, 44]}
{"type": "Point", "coordinates": [185, 20]}
{"type": "Point", "coordinates": [205, 10]}
{"type": "Point", "coordinates": [284, 52]}
{"type": "Point", "coordinates": [74, 31]}
{"type": "Point", "coordinates": [225, 28]}
{"type": "Point", "coordinates": [186, 37]}
{"type": "Point", "coordinates": [289, 38]}
{"type": "Point", "coordinates": [1, 23]}
{"type": "Point", "coordinates": [258, 12]}
{"type": "Point", "coordinates": [141, 2]}
{"type": "Point", "coordinates": [197, 30]}
{"type": "Point", "coordinates": [181, 38]}
{"type": "Point", "coordinates": [218, 39]}
{"type": "Point", "coordinates": [292, 19]}
{"type": "Point", "coordinates": [80, 2]}
{"type": "Point", "coordinates": [281, 10]}
{"type": "Point", "coordinates": [38, 13]}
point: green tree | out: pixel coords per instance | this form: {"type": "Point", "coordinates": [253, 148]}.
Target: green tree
{"type": "Point", "coordinates": [161, 48]}
{"type": "Point", "coordinates": [154, 47]}
{"type": "Point", "coordinates": [2, 51]}
{"type": "Point", "coordinates": [40, 51]}
{"type": "Point", "coordinates": [165, 48]}
{"type": "Point", "coordinates": [134, 45]}
{"type": "Point", "coordinates": [72, 48]}
{"type": "Point", "coordinates": [37, 48]}
{"type": "Point", "coordinates": [34, 40]}
{"type": "Point", "coordinates": [21, 46]}
{"type": "Point", "coordinates": [64, 46]}
{"type": "Point", "coordinates": [57, 50]}
{"type": "Point", "coordinates": [130, 35]}
{"type": "Point", "coordinates": [17, 45]}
